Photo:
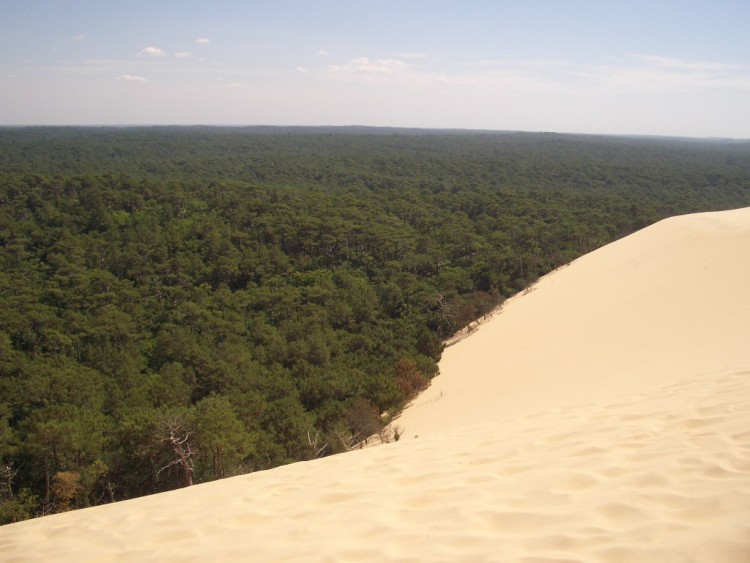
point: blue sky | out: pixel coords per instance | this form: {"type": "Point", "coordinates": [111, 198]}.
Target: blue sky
{"type": "Point", "coordinates": [638, 67]}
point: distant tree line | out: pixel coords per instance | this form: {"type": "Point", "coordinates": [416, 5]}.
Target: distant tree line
{"type": "Point", "coordinates": [185, 304]}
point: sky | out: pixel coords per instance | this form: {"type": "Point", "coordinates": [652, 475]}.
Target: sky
{"type": "Point", "coordinates": [676, 68]}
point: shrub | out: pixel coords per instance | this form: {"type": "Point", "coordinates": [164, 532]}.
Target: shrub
{"type": "Point", "coordinates": [410, 379]}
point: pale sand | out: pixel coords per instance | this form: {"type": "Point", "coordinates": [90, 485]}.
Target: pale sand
{"type": "Point", "coordinates": [604, 416]}
{"type": "Point", "coordinates": [670, 301]}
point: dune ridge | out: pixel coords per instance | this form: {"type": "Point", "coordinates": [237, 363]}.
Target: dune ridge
{"type": "Point", "coordinates": [602, 417]}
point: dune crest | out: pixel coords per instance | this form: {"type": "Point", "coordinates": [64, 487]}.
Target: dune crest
{"type": "Point", "coordinates": [603, 416]}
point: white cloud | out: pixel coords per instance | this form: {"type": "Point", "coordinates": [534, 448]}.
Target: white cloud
{"type": "Point", "coordinates": [363, 65]}
{"type": "Point", "coordinates": [153, 52]}
{"type": "Point", "coordinates": [183, 55]}
{"type": "Point", "coordinates": [202, 41]}
{"type": "Point", "coordinates": [302, 69]}
{"type": "Point", "coordinates": [80, 37]}
{"type": "Point", "coordinates": [323, 53]}
{"type": "Point", "coordinates": [130, 78]}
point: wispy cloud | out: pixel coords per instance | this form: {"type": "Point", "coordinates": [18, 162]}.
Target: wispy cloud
{"type": "Point", "coordinates": [102, 67]}
{"type": "Point", "coordinates": [302, 69]}
{"type": "Point", "coordinates": [202, 41]}
{"type": "Point", "coordinates": [322, 52]}
{"type": "Point", "coordinates": [130, 78]}
{"type": "Point", "coordinates": [183, 55]}
{"type": "Point", "coordinates": [674, 64]}
{"type": "Point", "coordinates": [364, 65]}
{"type": "Point", "coordinates": [652, 73]}
{"type": "Point", "coordinates": [80, 37]}
{"type": "Point", "coordinates": [632, 74]}
{"type": "Point", "coordinates": [415, 56]}
{"type": "Point", "coordinates": [431, 75]}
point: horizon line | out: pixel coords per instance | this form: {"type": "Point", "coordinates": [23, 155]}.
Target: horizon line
{"type": "Point", "coordinates": [360, 126]}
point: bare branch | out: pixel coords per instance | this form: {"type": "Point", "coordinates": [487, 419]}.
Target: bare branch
{"type": "Point", "coordinates": [8, 476]}
{"type": "Point", "coordinates": [179, 440]}
{"type": "Point", "coordinates": [314, 444]}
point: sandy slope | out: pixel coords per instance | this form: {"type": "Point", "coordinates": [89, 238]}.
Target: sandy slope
{"type": "Point", "coordinates": [604, 416]}
{"type": "Point", "coordinates": [669, 301]}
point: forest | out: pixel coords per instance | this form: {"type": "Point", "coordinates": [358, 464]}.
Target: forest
{"type": "Point", "coordinates": [183, 304]}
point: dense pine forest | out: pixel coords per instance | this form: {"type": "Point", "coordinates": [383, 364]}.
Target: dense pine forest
{"type": "Point", "coordinates": [184, 304]}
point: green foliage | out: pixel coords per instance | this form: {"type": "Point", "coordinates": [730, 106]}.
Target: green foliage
{"type": "Point", "coordinates": [223, 434]}
{"type": "Point", "coordinates": [18, 508]}
{"type": "Point", "coordinates": [183, 304]}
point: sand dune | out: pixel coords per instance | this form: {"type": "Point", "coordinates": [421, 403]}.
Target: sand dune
{"type": "Point", "coordinates": [603, 416]}
{"type": "Point", "coordinates": [669, 301]}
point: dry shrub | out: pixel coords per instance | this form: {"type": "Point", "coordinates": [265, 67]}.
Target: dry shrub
{"type": "Point", "coordinates": [410, 379]}
{"type": "Point", "coordinates": [65, 487]}
{"type": "Point", "coordinates": [363, 419]}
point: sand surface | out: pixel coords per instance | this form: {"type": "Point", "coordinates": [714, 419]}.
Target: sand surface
{"type": "Point", "coordinates": [670, 301]}
{"type": "Point", "coordinates": [603, 416]}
